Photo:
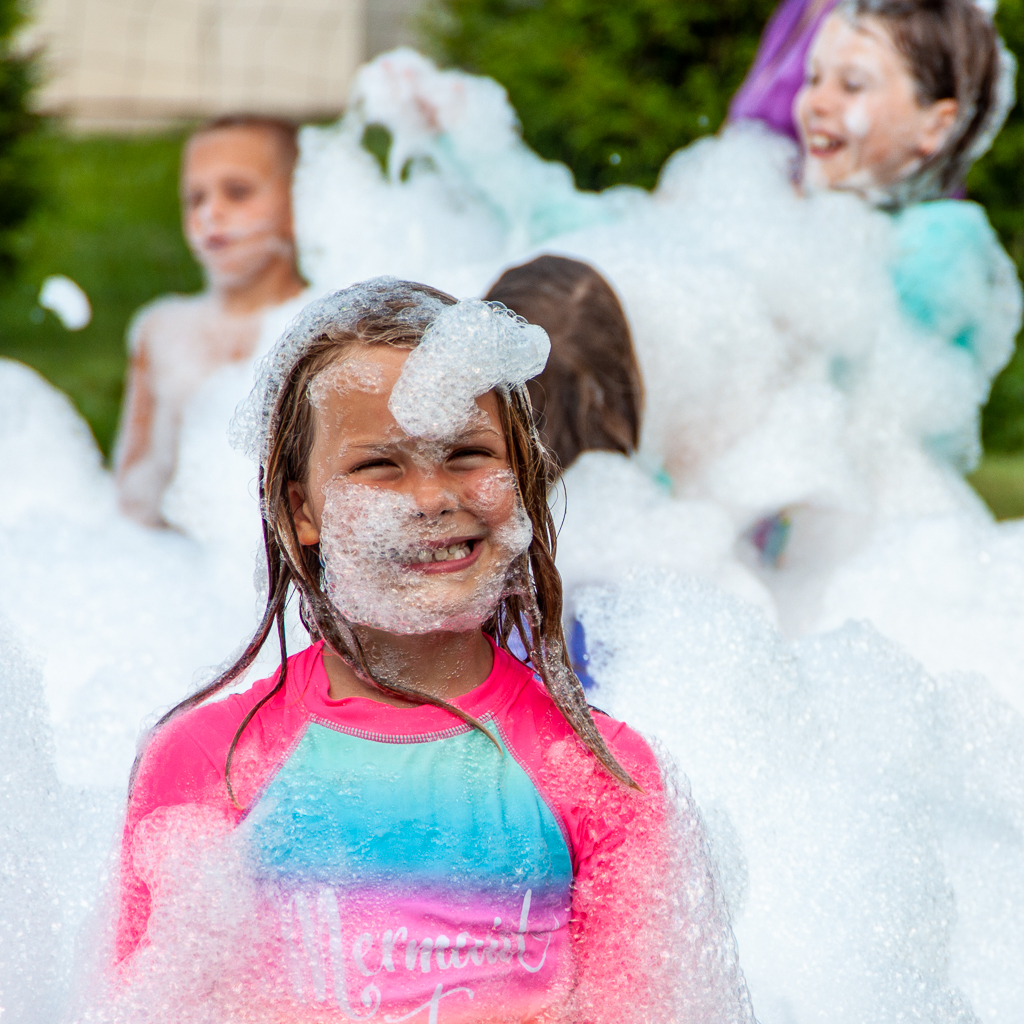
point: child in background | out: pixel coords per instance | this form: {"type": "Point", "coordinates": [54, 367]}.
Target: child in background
{"type": "Point", "coordinates": [589, 396]}
{"type": "Point", "coordinates": [432, 830]}
{"type": "Point", "coordinates": [236, 206]}
{"type": "Point", "coordinates": [901, 97]}
{"type": "Point", "coordinates": [588, 402]}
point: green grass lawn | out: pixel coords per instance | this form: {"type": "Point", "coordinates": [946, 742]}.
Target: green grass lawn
{"type": "Point", "coordinates": [110, 222]}
{"type": "Point", "coordinates": [1000, 481]}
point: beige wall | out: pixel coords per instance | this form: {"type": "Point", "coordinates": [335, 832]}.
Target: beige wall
{"type": "Point", "coordinates": [141, 63]}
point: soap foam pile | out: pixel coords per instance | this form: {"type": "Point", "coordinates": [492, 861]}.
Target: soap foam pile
{"type": "Point", "coordinates": [866, 816]}
{"type": "Point", "coordinates": [28, 858]}
{"type": "Point", "coordinates": [460, 193]}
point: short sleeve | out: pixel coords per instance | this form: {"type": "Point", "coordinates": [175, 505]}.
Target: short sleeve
{"type": "Point", "coordinates": [650, 929]}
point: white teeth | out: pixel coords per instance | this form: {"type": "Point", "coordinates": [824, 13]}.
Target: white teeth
{"type": "Point", "coordinates": [817, 141]}
{"type": "Point", "coordinates": [449, 554]}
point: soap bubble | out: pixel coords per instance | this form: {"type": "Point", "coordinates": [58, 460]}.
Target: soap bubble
{"type": "Point", "coordinates": [469, 349]}
{"type": "Point", "coordinates": [374, 542]}
{"type": "Point", "coordinates": [62, 296]}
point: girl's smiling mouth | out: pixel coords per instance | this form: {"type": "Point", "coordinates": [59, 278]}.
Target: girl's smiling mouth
{"type": "Point", "coordinates": [452, 556]}
{"type": "Point", "coordinates": [823, 144]}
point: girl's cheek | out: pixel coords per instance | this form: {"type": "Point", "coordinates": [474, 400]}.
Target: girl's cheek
{"type": "Point", "coordinates": [857, 119]}
{"type": "Point", "coordinates": [492, 496]}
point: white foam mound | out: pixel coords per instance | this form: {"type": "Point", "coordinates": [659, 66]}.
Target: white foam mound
{"type": "Point", "coordinates": [614, 519]}
{"type": "Point", "coordinates": [122, 619]}
{"type": "Point", "coordinates": [29, 866]}
{"type": "Point", "coordinates": [460, 195]}
{"type": "Point", "coordinates": [867, 818]}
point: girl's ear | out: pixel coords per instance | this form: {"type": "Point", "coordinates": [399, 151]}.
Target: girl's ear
{"type": "Point", "coordinates": [305, 527]}
{"type": "Point", "coordinates": [938, 123]}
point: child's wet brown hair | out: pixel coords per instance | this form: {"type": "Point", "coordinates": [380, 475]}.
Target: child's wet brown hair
{"type": "Point", "coordinates": [590, 395]}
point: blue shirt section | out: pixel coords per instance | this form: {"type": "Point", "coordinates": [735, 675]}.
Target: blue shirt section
{"type": "Point", "coordinates": [450, 815]}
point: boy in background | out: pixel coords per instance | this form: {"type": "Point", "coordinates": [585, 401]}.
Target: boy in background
{"type": "Point", "coordinates": [237, 217]}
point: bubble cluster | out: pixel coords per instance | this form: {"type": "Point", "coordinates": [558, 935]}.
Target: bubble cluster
{"type": "Point", "coordinates": [471, 348]}
{"type": "Point", "coordinates": [845, 793]}
{"type": "Point", "coordinates": [376, 543]}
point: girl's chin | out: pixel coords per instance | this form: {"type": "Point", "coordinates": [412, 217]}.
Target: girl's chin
{"type": "Point", "coordinates": [428, 621]}
{"type": "Point", "coordinates": [822, 173]}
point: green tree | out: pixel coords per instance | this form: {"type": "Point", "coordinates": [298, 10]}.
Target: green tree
{"type": "Point", "coordinates": [17, 123]}
{"type": "Point", "coordinates": [609, 87]}
{"type": "Point", "coordinates": [997, 182]}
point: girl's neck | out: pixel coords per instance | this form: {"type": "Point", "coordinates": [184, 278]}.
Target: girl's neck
{"type": "Point", "coordinates": [445, 665]}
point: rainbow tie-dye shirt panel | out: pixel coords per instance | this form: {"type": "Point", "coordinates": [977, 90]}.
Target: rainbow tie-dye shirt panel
{"type": "Point", "coordinates": [401, 865]}
{"type": "Point", "coordinates": [419, 879]}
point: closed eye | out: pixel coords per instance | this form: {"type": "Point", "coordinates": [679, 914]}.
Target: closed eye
{"type": "Point", "coordinates": [463, 455]}
{"type": "Point", "coordinates": [459, 452]}
{"type": "Point", "coordinates": [373, 464]}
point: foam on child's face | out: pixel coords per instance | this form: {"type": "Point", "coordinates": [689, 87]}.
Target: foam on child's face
{"type": "Point", "coordinates": [861, 125]}
{"type": "Point", "coordinates": [237, 201]}
{"type": "Point", "coordinates": [417, 535]}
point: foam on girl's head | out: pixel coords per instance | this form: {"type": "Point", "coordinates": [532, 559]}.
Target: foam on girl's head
{"type": "Point", "coordinates": [467, 349]}
{"type": "Point", "coordinates": [952, 51]}
{"type": "Point", "coordinates": [470, 349]}
{"type": "Point", "coordinates": [341, 315]}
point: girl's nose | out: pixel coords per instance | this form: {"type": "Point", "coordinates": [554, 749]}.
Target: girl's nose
{"type": "Point", "coordinates": [821, 99]}
{"type": "Point", "coordinates": [431, 495]}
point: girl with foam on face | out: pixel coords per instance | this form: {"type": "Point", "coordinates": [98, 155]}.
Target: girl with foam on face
{"type": "Point", "coordinates": [429, 829]}
{"type": "Point", "coordinates": [900, 98]}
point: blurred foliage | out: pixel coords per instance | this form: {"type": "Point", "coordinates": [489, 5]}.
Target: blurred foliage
{"type": "Point", "coordinates": [1000, 482]}
{"type": "Point", "coordinates": [997, 182]}
{"type": "Point", "coordinates": [109, 220]}
{"type": "Point", "coordinates": [18, 192]}
{"type": "Point", "coordinates": [609, 87]}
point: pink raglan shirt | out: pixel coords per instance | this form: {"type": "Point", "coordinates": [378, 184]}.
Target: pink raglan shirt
{"type": "Point", "coordinates": [406, 868]}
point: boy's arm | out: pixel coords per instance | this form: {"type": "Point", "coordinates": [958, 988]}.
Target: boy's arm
{"type": "Point", "coordinates": [135, 433]}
